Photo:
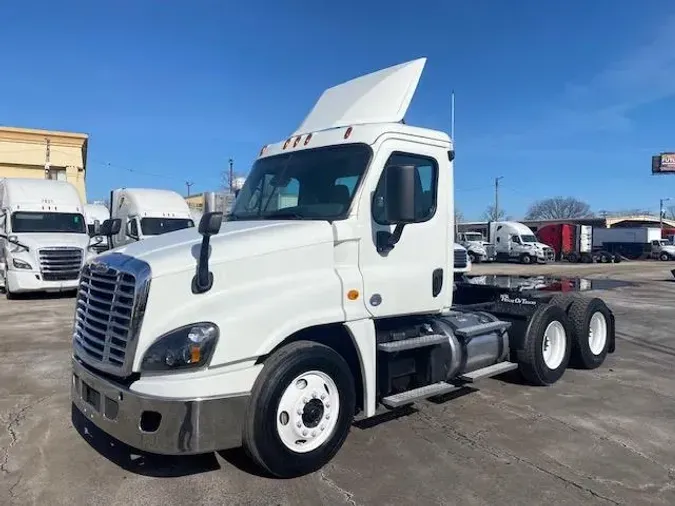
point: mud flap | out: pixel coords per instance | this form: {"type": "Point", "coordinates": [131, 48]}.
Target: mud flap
{"type": "Point", "coordinates": [612, 337]}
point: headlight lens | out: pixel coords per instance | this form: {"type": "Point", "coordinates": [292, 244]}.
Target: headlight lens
{"type": "Point", "coordinates": [20, 264]}
{"type": "Point", "coordinates": [188, 347]}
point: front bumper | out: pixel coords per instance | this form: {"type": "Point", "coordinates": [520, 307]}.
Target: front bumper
{"type": "Point", "coordinates": [31, 281]}
{"type": "Point", "coordinates": [156, 424]}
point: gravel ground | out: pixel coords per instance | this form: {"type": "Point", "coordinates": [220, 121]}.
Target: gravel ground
{"type": "Point", "coordinates": [597, 437]}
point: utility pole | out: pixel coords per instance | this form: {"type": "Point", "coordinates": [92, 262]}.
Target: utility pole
{"type": "Point", "coordinates": [47, 157]}
{"type": "Point", "coordinates": [188, 184]}
{"type": "Point", "coordinates": [496, 215]}
{"type": "Point", "coordinates": [231, 176]}
{"type": "Point", "coordinates": [661, 201]}
{"type": "Point", "coordinates": [452, 117]}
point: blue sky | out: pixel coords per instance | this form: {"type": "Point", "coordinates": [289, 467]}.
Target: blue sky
{"type": "Point", "coordinates": [561, 98]}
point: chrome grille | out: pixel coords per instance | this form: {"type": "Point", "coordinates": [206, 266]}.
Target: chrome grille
{"type": "Point", "coordinates": [460, 258]}
{"type": "Point", "coordinates": [60, 264]}
{"type": "Point", "coordinates": [109, 311]}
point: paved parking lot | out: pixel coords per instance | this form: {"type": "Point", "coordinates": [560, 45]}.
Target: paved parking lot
{"type": "Point", "coordinates": [600, 437]}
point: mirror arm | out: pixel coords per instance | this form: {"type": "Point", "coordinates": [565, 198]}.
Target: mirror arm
{"type": "Point", "coordinates": [203, 280]}
{"type": "Point", "coordinates": [387, 240]}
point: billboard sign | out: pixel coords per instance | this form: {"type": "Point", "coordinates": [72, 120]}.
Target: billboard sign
{"type": "Point", "coordinates": [663, 163]}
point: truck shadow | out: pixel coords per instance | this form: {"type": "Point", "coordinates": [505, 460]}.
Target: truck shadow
{"type": "Point", "coordinates": [69, 294]}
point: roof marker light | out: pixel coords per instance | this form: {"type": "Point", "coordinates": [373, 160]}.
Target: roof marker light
{"type": "Point", "coordinates": [297, 140]}
{"type": "Point", "coordinates": [348, 132]}
{"type": "Point", "coordinates": [286, 143]}
{"type": "Point", "coordinates": [262, 150]}
{"type": "Point", "coordinates": [307, 139]}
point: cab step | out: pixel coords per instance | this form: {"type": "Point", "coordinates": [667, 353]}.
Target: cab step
{"type": "Point", "coordinates": [417, 394]}
{"type": "Point", "coordinates": [486, 372]}
{"type": "Point", "coordinates": [483, 328]}
{"type": "Point", "coordinates": [412, 343]}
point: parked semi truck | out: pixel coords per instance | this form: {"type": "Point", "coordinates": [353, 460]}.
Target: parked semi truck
{"type": "Point", "coordinates": [515, 241]}
{"type": "Point", "coordinates": [478, 248]}
{"type": "Point", "coordinates": [43, 236]}
{"type": "Point", "coordinates": [275, 329]}
{"type": "Point", "coordinates": [147, 212]}
{"type": "Point", "coordinates": [574, 243]}
{"type": "Point", "coordinates": [634, 242]}
{"type": "Point", "coordinates": [462, 261]}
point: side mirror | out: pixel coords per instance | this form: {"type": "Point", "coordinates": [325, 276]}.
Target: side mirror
{"type": "Point", "coordinates": [97, 227]}
{"type": "Point", "coordinates": [110, 227]}
{"type": "Point", "coordinates": [399, 181]}
{"type": "Point", "coordinates": [209, 225]}
{"type": "Point", "coordinates": [129, 232]}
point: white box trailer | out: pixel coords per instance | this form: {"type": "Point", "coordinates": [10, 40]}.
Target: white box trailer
{"type": "Point", "coordinates": [641, 235]}
{"type": "Point", "coordinates": [43, 235]}
{"type": "Point", "coordinates": [274, 329]}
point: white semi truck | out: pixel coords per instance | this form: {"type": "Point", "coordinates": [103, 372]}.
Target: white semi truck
{"type": "Point", "coordinates": [478, 248]}
{"type": "Point", "coordinates": [43, 236]}
{"type": "Point", "coordinates": [147, 212]}
{"type": "Point", "coordinates": [515, 241]}
{"type": "Point", "coordinates": [275, 329]}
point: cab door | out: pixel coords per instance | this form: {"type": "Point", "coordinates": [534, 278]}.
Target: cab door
{"type": "Point", "coordinates": [415, 274]}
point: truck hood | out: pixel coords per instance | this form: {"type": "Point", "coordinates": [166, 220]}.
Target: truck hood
{"type": "Point", "coordinates": [45, 240]}
{"type": "Point", "coordinates": [179, 251]}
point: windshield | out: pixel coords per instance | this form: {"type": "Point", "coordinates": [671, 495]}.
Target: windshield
{"type": "Point", "coordinates": [159, 226]}
{"type": "Point", "coordinates": [528, 238]}
{"type": "Point", "coordinates": [28, 222]}
{"type": "Point", "coordinates": [664, 242]}
{"type": "Point", "coordinates": [473, 237]}
{"type": "Point", "coordinates": [313, 184]}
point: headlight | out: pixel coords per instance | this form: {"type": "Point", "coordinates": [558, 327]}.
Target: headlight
{"type": "Point", "coordinates": [188, 347]}
{"type": "Point", "coordinates": [20, 264]}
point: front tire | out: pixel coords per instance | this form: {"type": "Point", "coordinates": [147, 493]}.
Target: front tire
{"type": "Point", "coordinates": [526, 259]}
{"type": "Point", "coordinates": [8, 294]}
{"type": "Point", "coordinates": [546, 346]}
{"type": "Point", "coordinates": [301, 409]}
{"type": "Point", "coordinates": [664, 257]}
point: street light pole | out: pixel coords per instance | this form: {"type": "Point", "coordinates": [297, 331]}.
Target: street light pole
{"type": "Point", "coordinates": [496, 215]}
{"type": "Point", "coordinates": [661, 201]}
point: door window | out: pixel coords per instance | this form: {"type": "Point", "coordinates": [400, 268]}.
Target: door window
{"type": "Point", "coordinates": [426, 187]}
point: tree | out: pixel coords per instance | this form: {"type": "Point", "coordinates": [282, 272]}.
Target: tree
{"type": "Point", "coordinates": [459, 217]}
{"type": "Point", "coordinates": [490, 215]}
{"type": "Point", "coordinates": [558, 208]}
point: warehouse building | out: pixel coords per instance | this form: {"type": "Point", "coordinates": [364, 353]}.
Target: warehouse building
{"type": "Point", "coordinates": [44, 154]}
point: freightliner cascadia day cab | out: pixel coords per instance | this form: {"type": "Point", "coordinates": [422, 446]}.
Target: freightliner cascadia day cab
{"type": "Point", "coordinates": [43, 235]}
{"type": "Point", "coordinates": [326, 295]}
{"type": "Point", "coordinates": [147, 212]}
{"type": "Point", "coordinates": [95, 215]}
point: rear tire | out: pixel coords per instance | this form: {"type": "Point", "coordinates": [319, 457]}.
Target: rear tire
{"type": "Point", "coordinates": [546, 346]}
{"type": "Point", "coordinates": [564, 300]}
{"type": "Point", "coordinates": [592, 326]}
{"type": "Point", "coordinates": [272, 437]}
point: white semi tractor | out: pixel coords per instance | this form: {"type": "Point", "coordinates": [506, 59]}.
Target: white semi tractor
{"type": "Point", "coordinates": [275, 329]}
{"type": "Point", "coordinates": [147, 212]}
{"type": "Point", "coordinates": [478, 248]}
{"type": "Point", "coordinates": [515, 241]}
{"type": "Point", "coordinates": [43, 236]}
